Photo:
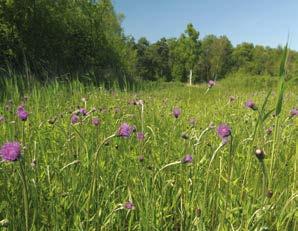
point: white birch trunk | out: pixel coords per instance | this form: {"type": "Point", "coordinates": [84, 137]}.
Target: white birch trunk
{"type": "Point", "coordinates": [190, 77]}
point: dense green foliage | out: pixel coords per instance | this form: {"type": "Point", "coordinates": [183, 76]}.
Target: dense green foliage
{"type": "Point", "coordinates": [71, 38]}
{"type": "Point", "coordinates": [63, 36]}
{"type": "Point", "coordinates": [75, 183]}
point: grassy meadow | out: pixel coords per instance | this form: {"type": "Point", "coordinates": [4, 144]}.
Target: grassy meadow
{"type": "Point", "coordinates": [84, 176]}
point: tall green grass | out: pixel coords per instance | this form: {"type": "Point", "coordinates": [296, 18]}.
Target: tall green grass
{"type": "Point", "coordinates": [77, 178]}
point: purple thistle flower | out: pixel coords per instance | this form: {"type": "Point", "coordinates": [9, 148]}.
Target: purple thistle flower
{"type": "Point", "coordinates": [23, 115]}
{"type": "Point", "coordinates": [176, 112]}
{"type": "Point", "coordinates": [21, 108]}
{"type": "Point", "coordinates": [128, 205]}
{"type": "Point", "coordinates": [83, 111]}
{"type": "Point", "coordinates": [95, 121]}
{"type": "Point", "coordinates": [11, 151]}
{"type": "Point", "coordinates": [2, 119]}
{"type": "Point", "coordinates": [224, 131]}
{"type": "Point", "coordinates": [294, 112]}
{"type": "Point", "coordinates": [74, 119]}
{"type": "Point", "coordinates": [125, 130]}
{"type": "Point", "coordinates": [186, 159]}
{"type": "Point", "coordinates": [250, 104]}
{"type": "Point", "coordinates": [140, 136]}
{"type": "Point", "coordinates": [211, 83]}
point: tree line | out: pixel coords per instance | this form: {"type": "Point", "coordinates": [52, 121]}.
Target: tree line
{"type": "Point", "coordinates": [84, 38]}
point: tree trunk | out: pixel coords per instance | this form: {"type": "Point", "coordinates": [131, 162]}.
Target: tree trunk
{"type": "Point", "coordinates": [190, 77]}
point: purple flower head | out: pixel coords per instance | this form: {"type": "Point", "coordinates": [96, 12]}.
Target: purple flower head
{"type": "Point", "coordinates": [211, 83]}
{"type": "Point", "coordinates": [83, 111]}
{"type": "Point", "coordinates": [186, 159]}
{"type": "Point", "coordinates": [1, 119]}
{"type": "Point", "coordinates": [140, 136]}
{"type": "Point", "coordinates": [74, 119]}
{"type": "Point", "coordinates": [95, 121]}
{"type": "Point", "coordinates": [125, 130]}
{"type": "Point", "coordinates": [250, 104]}
{"type": "Point", "coordinates": [21, 112]}
{"type": "Point", "coordinates": [11, 151]}
{"type": "Point", "coordinates": [294, 112]}
{"type": "Point", "coordinates": [176, 112]}
{"type": "Point", "coordinates": [23, 115]}
{"type": "Point", "coordinates": [128, 205]}
{"type": "Point", "coordinates": [224, 131]}
{"type": "Point", "coordinates": [21, 108]}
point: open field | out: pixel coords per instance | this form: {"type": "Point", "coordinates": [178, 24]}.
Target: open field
{"type": "Point", "coordinates": [79, 173]}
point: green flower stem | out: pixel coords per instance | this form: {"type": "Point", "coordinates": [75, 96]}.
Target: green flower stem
{"type": "Point", "coordinates": [25, 195]}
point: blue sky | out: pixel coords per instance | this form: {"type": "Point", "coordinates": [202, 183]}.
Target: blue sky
{"type": "Point", "coordinates": [264, 22]}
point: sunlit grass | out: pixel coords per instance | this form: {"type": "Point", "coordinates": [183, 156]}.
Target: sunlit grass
{"type": "Point", "coordinates": [81, 177]}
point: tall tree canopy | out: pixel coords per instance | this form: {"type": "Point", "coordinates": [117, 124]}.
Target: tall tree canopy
{"type": "Point", "coordinates": [47, 38]}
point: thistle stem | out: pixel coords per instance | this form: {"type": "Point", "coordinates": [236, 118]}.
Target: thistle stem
{"type": "Point", "coordinates": [202, 133]}
{"type": "Point", "coordinates": [25, 195]}
{"type": "Point", "coordinates": [165, 166]}
{"type": "Point", "coordinates": [265, 177]}
{"type": "Point", "coordinates": [208, 169]}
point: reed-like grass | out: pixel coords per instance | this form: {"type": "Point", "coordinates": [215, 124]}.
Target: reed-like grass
{"type": "Point", "coordinates": [78, 177]}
